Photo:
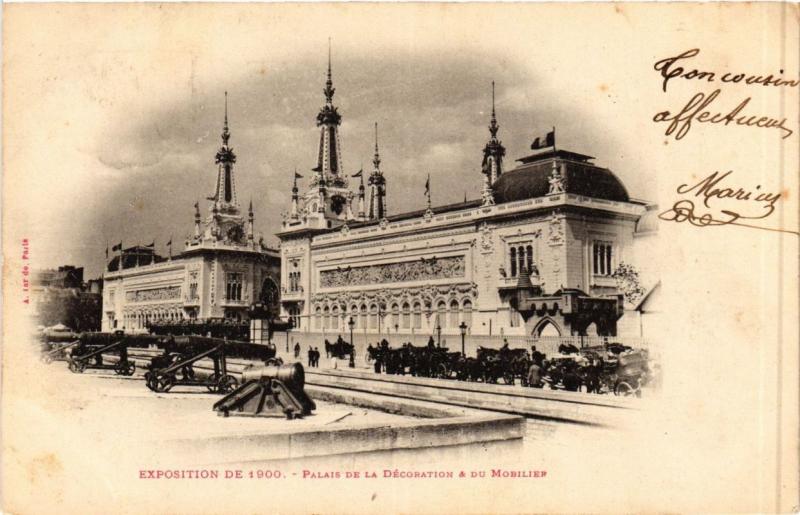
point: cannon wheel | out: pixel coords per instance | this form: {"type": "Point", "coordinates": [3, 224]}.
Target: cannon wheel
{"type": "Point", "coordinates": [212, 383]}
{"type": "Point", "coordinates": [124, 368]}
{"type": "Point", "coordinates": [147, 380]}
{"type": "Point", "coordinates": [508, 376]}
{"type": "Point", "coordinates": [130, 368]}
{"type": "Point", "coordinates": [273, 361]}
{"type": "Point", "coordinates": [76, 366]}
{"type": "Point", "coordinates": [47, 358]}
{"type": "Point", "coordinates": [227, 384]}
{"type": "Point", "coordinates": [442, 371]}
{"type": "Point", "coordinates": [368, 359]}
{"type": "Point", "coordinates": [161, 382]}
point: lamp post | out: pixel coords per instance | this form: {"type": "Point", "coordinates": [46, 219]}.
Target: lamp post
{"type": "Point", "coordinates": [438, 334]}
{"type": "Point", "coordinates": [463, 328]}
{"type": "Point", "coordinates": [351, 323]}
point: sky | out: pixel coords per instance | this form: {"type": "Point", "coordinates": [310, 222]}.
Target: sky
{"type": "Point", "coordinates": [134, 117]}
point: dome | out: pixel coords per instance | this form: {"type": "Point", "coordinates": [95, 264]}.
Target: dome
{"type": "Point", "coordinates": [532, 179]}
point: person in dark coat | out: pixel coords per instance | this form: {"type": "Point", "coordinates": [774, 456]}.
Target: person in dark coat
{"type": "Point", "coordinates": [297, 350]}
{"type": "Point", "coordinates": [310, 356]}
{"type": "Point", "coordinates": [535, 375]}
{"type": "Point", "coordinates": [316, 357]}
{"type": "Point", "coordinates": [572, 380]}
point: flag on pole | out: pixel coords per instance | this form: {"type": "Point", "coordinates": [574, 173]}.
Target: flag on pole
{"type": "Point", "coordinates": [428, 186]}
{"type": "Point", "coordinates": [117, 247]}
{"type": "Point", "coordinates": [359, 173]}
{"type": "Point", "coordinates": [297, 175]}
{"type": "Point", "coordinates": [169, 246]}
{"type": "Point", "coordinates": [152, 245]}
{"type": "Point", "coordinates": [106, 251]}
{"type": "Point", "coordinates": [549, 140]}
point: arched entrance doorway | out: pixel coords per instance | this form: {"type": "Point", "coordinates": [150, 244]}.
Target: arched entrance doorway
{"type": "Point", "coordinates": [546, 328]}
{"type": "Point", "coordinates": [269, 296]}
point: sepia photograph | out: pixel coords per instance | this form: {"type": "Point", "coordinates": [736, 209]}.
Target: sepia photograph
{"type": "Point", "coordinates": [400, 258]}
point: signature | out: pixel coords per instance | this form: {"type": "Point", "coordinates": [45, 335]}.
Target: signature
{"type": "Point", "coordinates": [708, 191]}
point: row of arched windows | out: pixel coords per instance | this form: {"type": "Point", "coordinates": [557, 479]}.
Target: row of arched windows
{"type": "Point", "coordinates": [521, 259]}
{"type": "Point", "coordinates": [405, 315]}
{"type": "Point", "coordinates": [139, 320]}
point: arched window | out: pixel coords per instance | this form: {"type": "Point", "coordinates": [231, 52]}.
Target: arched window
{"type": "Point", "coordinates": [318, 318]}
{"type": "Point", "coordinates": [335, 317]}
{"type": "Point", "coordinates": [453, 318]}
{"type": "Point", "coordinates": [513, 262]}
{"type": "Point", "coordinates": [395, 315]}
{"type": "Point", "coordinates": [406, 317]}
{"type": "Point", "coordinates": [529, 257]}
{"type": "Point", "coordinates": [354, 314]}
{"type": "Point", "coordinates": [468, 313]}
{"type": "Point", "coordinates": [417, 315]}
{"type": "Point", "coordinates": [520, 258]}
{"type": "Point", "coordinates": [327, 314]}
{"type": "Point", "coordinates": [441, 312]}
{"type": "Point", "coordinates": [362, 317]}
{"type": "Point", "coordinates": [373, 316]}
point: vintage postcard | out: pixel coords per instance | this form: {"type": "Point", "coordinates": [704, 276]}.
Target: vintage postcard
{"type": "Point", "coordinates": [400, 258]}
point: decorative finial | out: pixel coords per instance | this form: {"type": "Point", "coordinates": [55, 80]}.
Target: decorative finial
{"type": "Point", "coordinates": [225, 133]}
{"type": "Point", "coordinates": [376, 159]}
{"type": "Point", "coordinates": [493, 125]}
{"type": "Point", "coordinates": [250, 209]}
{"type": "Point", "coordinates": [197, 209]}
{"type": "Point", "coordinates": [329, 89]}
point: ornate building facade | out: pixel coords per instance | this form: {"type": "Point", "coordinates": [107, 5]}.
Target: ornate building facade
{"type": "Point", "coordinates": [222, 270]}
{"type": "Point", "coordinates": [535, 255]}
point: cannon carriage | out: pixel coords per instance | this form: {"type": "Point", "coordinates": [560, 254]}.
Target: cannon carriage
{"type": "Point", "coordinates": [88, 352]}
{"type": "Point", "coordinates": [175, 367]}
{"type": "Point", "coordinates": [269, 390]}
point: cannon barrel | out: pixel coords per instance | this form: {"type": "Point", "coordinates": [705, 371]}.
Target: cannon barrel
{"type": "Point", "coordinates": [292, 375]}
{"type": "Point", "coordinates": [269, 390]}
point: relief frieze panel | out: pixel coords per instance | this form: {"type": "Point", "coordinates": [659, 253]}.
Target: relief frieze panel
{"type": "Point", "coordinates": [166, 293]}
{"type": "Point", "coordinates": [452, 267]}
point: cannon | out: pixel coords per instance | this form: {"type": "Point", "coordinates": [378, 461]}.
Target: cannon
{"type": "Point", "coordinates": [164, 370]}
{"type": "Point", "coordinates": [56, 351]}
{"type": "Point", "coordinates": [89, 354]}
{"type": "Point", "coordinates": [269, 390]}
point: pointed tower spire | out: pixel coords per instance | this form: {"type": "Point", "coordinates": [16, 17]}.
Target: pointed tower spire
{"type": "Point", "coordinates": [329, 89]}
{"type": "Point", "coordinates": [493, 153]}
{"type": "Point", "coordinates": [226, 135]}
{"type": "Point", "coordinates": [376, 159]}
{"type": "Point", "coordinates": [225, 196]}
{"type": "Point", "coordinates": [493, 124]}
{"type": "Point", "coordinates": [250, 222]}
{"type": "Point", "coordinates": [377, 183]}
{"type": "Point", "coordinates": [329, 156]}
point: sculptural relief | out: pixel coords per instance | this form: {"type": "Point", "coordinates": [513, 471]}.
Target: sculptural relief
{"type": "Point", "coordinates": [407, 271]}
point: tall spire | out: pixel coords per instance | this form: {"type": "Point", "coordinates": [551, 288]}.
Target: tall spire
{"type": "Point", "coordinates": [493, 153]}
{"type": "Point", "coordinates": [225, 196]}
{"type": "Point", "coordinates": [329, 89]}
{"type": "Point", "coordinates": [377, 184]}
{"type": "Point", "coordinates": [493, 124]}
{"type": "Point", "coordinates": [329, 156]}
{"type": "Point", "coordinates": [376, 159]}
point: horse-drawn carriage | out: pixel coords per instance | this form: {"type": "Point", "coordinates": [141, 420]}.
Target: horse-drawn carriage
{"type": "Point", "coordinates": [339, 349]}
